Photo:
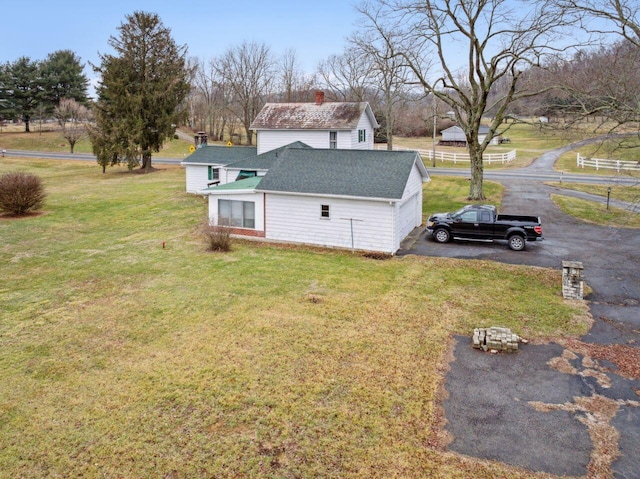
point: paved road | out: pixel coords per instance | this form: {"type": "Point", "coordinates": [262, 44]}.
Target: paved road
{"type": "Point", "coordinates": [73, 156]}
{"type": "Point", "coordinates": [499, 421]}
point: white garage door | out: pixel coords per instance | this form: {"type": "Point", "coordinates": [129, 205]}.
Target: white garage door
{"type": "Point", "coordinates": [408, 219]}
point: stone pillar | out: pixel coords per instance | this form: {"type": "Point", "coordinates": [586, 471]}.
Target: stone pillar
{"type": "Point", "coordinates": [572, 280]}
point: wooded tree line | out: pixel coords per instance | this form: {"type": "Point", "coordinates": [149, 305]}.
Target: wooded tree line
{"type": "Point", "coordinates": [473, 61]}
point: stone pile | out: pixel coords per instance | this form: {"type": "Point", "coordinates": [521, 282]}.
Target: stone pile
{"type": "Point", "coordinates": [496, 339]}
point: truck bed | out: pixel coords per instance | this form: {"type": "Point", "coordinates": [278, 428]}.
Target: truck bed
{"type": "Point", "coordinates": [513, 218]}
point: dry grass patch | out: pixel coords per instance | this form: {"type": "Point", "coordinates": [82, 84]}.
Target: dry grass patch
{"type": "Point", "coordinates": [626, 358]}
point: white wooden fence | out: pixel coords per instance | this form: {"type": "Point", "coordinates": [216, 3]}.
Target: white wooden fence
{"type": "Point", "coordinates": [456, 158]}
{"type": "Point", "coordinates": [617, 165]}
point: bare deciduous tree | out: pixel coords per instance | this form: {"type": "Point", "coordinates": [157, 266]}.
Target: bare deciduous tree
{"type": "Point", "coordinates": [470, 46]}
{"type": "Point", "coordinates": [391, 76]}
{"type": "Point", "coordinates": [210, 100]}
{"type": "Point", "coordinates": [72, 118]}
{"type": "Point", "coordinates": [348, 77]}
{"type": "Point", "coordinates": [611, 16]}
{"type": "Point", "coordinates": [249, 71]}
{"type": "Point", "coordinates": [294, 85]}
{"type": "Point", "coordinates": [602, 85]}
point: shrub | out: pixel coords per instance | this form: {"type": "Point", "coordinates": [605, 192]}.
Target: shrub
{"type": "Point", "coordinates": [21, 193]}
{"type": "Point", "coordinates": [218, 238]}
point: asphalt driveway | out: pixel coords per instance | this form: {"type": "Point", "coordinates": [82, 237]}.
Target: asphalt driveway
{"type": "Point", "coordinates": [534, 409]}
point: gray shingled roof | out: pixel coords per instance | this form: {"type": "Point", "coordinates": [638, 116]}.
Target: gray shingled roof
{"type": "Point", "coordinates": [220, 155]}
{"type": "Point", "coordinates": [311, 116]}
{"type": "Point", "coordinates": [265, 160]}
{"type": "Point", "coordinates": [483, 130]}
{"type": "Point", "coordinates": [355, 173]}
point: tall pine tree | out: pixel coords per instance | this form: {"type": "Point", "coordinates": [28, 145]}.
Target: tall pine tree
{"type": "Point", "coordinates": [21, 89]}
{"type": "Point", "coordinates": [141, 88]}
{"type": "Point", "coordinates": [63, 77]}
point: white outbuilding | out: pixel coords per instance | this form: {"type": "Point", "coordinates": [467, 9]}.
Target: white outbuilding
{"type": "Point", "coordinates": [455, 134]}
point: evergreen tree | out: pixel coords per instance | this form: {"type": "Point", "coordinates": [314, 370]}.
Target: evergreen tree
{"type": "Point", "coordinates": [141, 87]}
{"type": "Point", "coordinates": [21, 89]}
{"type": "Point", "coordinates": [63, 77]}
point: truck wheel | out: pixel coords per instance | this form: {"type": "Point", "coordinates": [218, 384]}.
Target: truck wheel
{"type": "Point", "coordinates": [516, 242]}
{"type": "Point", "coordinates": [442, 235]}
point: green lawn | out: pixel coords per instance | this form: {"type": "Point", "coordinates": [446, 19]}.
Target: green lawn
{"type": "Point", "coordinates": [449, 193]}
{"type": "Point", "coordinates": [124, 358]}
{"type": "Point", "coordinates": [53, 141]}
{"type": "Point", "coordinates": [597, 213]}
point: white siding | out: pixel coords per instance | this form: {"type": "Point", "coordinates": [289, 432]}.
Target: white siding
{"type": "Point", "coordinates": [271, 139]}
{"type": "Point", "coordinates": [297, 219]}
{"type": "Point", "coordinates": [229, 175]}
{"type": "Point", "coordinates": [454, 133]}
{"type": "Point", "coordinates": [363, 124]}
{"type": "Point", "coordinates": [197, 177]}
{"type": "Point", "coordinates": [257, 198]}
{"type": "Point", "coordinates": [406, 217]}
{"type": "Point", "coordinates": [408, 212]}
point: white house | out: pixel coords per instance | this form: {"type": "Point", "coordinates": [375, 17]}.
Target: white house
{"type": "Point", "coordinates": [366, 200]}
{"type": "Point", "coordinates": [324, 125]}
{"type": "Point", "coordinates": [203, 167]}
{"type": "Point", "coordinates": [456, 134]}
{"type": "Point", "coordinates": [330, 125]}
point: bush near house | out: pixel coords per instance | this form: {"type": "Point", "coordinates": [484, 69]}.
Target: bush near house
{"type": "Point", "coordinates": [218, 238]}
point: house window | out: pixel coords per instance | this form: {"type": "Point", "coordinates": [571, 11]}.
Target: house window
{"type": "Point", "coordinates": [333, 140]}
{"type": "Point", "coordinates": [246, 174]}
{"type": "Point", "coordinates": [362, 136]}
{"type": "Point", "coordinates": [237, 213]}
{"type": "Point", "coordinates": [324, 211]}
{"type": "Point", "coordinates": [214, 174]}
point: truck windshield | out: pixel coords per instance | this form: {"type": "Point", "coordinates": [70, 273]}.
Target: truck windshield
{"type": "Point", "coordinates": [459, 212]}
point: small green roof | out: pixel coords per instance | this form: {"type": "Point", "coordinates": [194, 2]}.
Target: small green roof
{"type": "Point", "coordinates": [246, 184]}
{"type": "Point", "coordinates": [220, 155]}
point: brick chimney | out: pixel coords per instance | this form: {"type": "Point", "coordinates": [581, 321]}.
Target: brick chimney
{"type": "Point", "coordinates": [319, 97]}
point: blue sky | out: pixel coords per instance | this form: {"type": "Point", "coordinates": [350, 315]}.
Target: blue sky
{"type": "Point", "coordinates": [314, 28]}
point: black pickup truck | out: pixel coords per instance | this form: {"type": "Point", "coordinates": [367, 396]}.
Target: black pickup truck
{"type": "Point", "coordinates": [482, 223]}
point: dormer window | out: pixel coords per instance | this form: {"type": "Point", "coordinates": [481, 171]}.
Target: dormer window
{"type": "Point", "coordinates": [362, 136]}
{"type": "Point", "coordinates": [244, 174]}
{"type": "Point", "coordinates": [333, 140]}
